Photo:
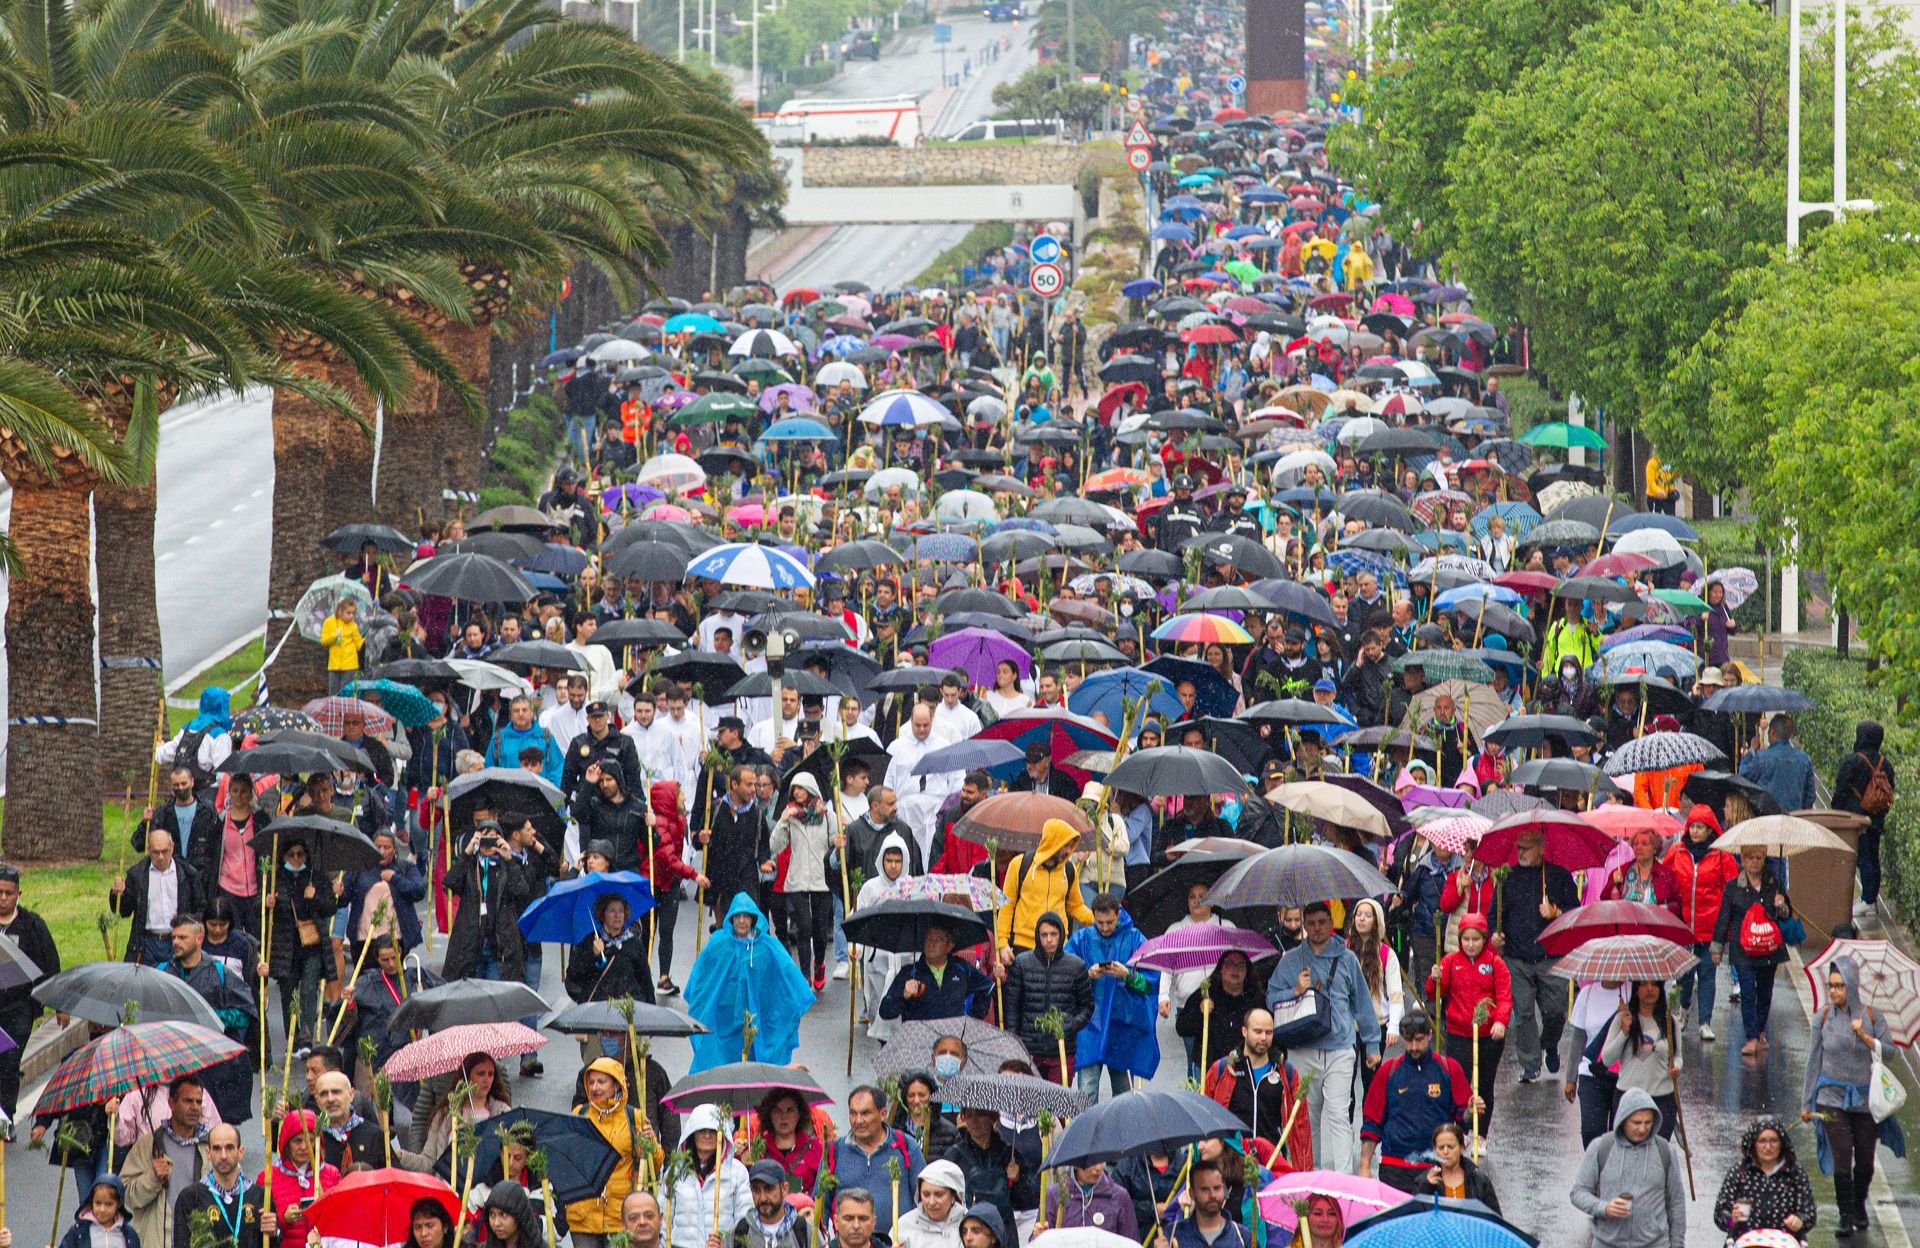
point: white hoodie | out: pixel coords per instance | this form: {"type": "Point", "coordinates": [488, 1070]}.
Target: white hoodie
{"type": "Point", "coordinates": [917, 1230]}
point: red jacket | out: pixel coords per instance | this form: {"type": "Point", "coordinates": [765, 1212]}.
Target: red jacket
{"type": "Point", "coordinates": [669, 836]}
{"type": "Point", "coordinates": [290, 1189]}
{"type": "Point", "coordinates": [1702, 884]}
{"type": "Point", "coordinates": [1666, 886]}
{"type": "Point", "coordinates": [1465, 982]}
{"type": "Point", "coordinates": [1478, 895]}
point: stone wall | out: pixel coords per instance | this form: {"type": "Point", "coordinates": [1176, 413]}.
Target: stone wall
{"type": "Point", "coordinates": [985, 164]}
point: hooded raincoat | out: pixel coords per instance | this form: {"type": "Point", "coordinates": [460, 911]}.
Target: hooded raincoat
{"type": "Point", "coordinates": [619, 1125]}
{"type": "Point", "coordinates": [694, 1193]}
{"type": "Point", "coordinates": [1034, 889]}
{"type": "Point", "coordinates": [735, 976]}
{"type": "Point", "coordinates": [1125, 1011]}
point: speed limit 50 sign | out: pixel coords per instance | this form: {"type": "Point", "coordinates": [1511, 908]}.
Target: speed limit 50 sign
{"type": "Point", "coordinates": [1046, 280]}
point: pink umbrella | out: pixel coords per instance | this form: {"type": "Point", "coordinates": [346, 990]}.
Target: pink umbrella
{"type": "Point", "coordinates": [981, 894]}
{"type": "Point", "coordinates": [332, 713]}
{"type": "Point", "coordinates": [444, 1050]}
{"type": "Point", "coordinates": [1398, 304]}
{"type": "Point", "coordinates": [1456, 833]}
{"type": "Point", "coordinates": [1357, 1197]}
{"type": "Point", "coordinates": [1597, 880]}
{"type": "Point", "coordinates": [749, 515]}
{"type": "Point", "coordinates": [1200, 947]}
{"type": "Point", "coordinates": [667, 511]}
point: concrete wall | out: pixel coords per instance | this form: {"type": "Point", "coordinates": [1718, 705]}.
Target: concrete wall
{"type": "Point", "coordinates": [959, 165]}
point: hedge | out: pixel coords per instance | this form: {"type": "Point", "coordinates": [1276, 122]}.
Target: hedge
{"type": "Point", "coordinates": [1844, 693]}
{"type": "Point", "coordinates": [521, 459]}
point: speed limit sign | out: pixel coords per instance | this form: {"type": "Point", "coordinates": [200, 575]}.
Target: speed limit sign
{"type": "Point", "coordinates": [1138, 158]}
{"type": "Point", "coordinates": [1046, 280]}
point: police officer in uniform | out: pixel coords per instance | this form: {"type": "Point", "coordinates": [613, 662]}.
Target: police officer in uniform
{"type": "Point", "coordinates": [1180, 520]}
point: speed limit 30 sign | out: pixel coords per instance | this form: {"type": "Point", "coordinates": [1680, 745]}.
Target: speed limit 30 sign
{"type": "Point", "coordinates": [1138, 158]}
{"type": "Point", "coordinates": [1046, 280]}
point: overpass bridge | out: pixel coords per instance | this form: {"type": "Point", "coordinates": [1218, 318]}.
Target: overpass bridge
{"type": "Point", "coordinates": [935, 183]}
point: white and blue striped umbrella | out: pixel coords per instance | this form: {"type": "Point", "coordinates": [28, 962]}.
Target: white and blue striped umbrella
{"type": "Point", "coordinates": [902, 409]}
{"type": "Point", "coordinates": [758, 567]}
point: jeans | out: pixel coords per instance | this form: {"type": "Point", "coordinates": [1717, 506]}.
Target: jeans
{"type": "Point", "coordinates": [1330, 1104]}
{"type": "Point", "coordinates": [1088, 1078]}
{"type": "Point", "coordinates": [85, 1171]}
{"type": "Point", "coordinates": [1596, 1109]}
{"type": "Point", "coordinates": [309, 963]}
{"type": "Point", "coordinates": [1756, 998]}
{"type": "Point", "coordinates": [1539, 1011]}
{"type": "Point", "coordinates": [839, 937]}
{"type": "Point", "coordinates": [155, 948]}
{"type": "Point", "coordinates": [536, 962]}
{"type": "Point", "coordinates": [1868, 860]}
{"type": "Point", "coordinates": [1703, 978]}
{"type": "Point", "coordinates": [487, 965]}
{"type": "Point", "coordinates": [579, 437]}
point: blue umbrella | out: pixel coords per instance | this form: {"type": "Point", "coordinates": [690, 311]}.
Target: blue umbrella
{"type": "Point", "coordinates": [1245, 231]}
{"type": "Point", "coordinates": [944, 548]}
{"type": "Point", "coordinates": [797, 429]}
{"type": "Point", "coordinates": [1758, 700]}
{"type": "Point", "coordinates": [1675, 633]}
{"type": "Point", "coordinates": [565, 914]}
{"type": "Point", "coordinates": [557, 560]}
{"type": "Point", "coordinates": [1656, 658]}
{"type": "Point", "coordinates": [1520, 518]}
{"type": "Point", "coordinates": [546, 581]}
{"type": "Point", "coordinates": [405, 703]}
{"type": "Point", "coordinates": [975, 753]}
{"type": "Point", "coordinates": [1424, 1223]}
{"type": "Point", "coordinates": [1263, 195]}
{"type": "Point", "coordinates": [1141, 288]}
{"type": "Point", "coordinates": [1024, 524]}
{"type": "Point", "coordinates": [1351, 561]}
{"type": "Point", "coordinates": [1216, 696]}
{"type": "Point", "coordinates": [1104, 691]}
{"type": "Point", "coordinates": [1679, 529]}
{"type": "Point", "coordinates": [1434, 539]}
{"type": "Point", "coordinates": [692, 323]}
{"type": "Point", "coordinates": [751, 565]}
{"type": "Point", "coordinates": [841, 345]}
{"type": "Point", "coordinates": [1172, 233]}
{"type": "Point", "coordinates": [1467, 594]}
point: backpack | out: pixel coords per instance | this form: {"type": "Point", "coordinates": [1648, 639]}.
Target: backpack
{"type": "Point", "coordinates": [187, 754]}
{"type": "Point", "coordinates": [1876, 798]}
{"type": "Point", "coordinates": [1760, 935]}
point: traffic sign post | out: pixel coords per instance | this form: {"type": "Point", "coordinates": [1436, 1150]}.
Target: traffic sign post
{"type": "Point", "coordinates": [1138, 158]}
{"type": "Point", "coordinates": [1137, 135]}
{"type": "Point", "coordinates": [1044, 249]}
{"type": "Point", "coordinates": [1046, 280]}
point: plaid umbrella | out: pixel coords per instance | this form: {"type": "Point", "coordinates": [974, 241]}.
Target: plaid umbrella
{"type": "Point", "coordinates": [1294, 875]}
{"type": "Point", "coordinates": [1022, 1096]}
{"type": "Point", "coordinates": [1456, 833]}
{"type": "Point", "coordinates": [1013, 820]}
{"type": "Point", "coordinates": [331, 713]}
{"type": "Point", "coordinates": [1199, 948]}
{"type": "Point", "coordinates": [1613, 918]}
{"type": "Point", "coordinates": [139, 1055]}
{"type": "Point", "coordinates": [443, 1051]}
{"type": "Point", "coordinates": [980, 894]}
{"type": "Point", "coordinates": [911, 1047]}
{"type": "Point", "coordinates": [1657, 751]}
{"type": "Point", "coordinates": [1627, 958]}
{"type": "Point", "coordinates": [1889, 982]}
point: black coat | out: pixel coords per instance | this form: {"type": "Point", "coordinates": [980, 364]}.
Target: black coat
{"type": "Point", "coordinates": [734, 855]}
{"type": "Point", "coordinates": [18, 1010]}
{"type": "Point", "coordinates": [1229, 1012]}
{"type": "Point", "coordinates": [621, 972]}
{"type": "Point", "coordinates": [1734, 904]}
{"type": "Point", "coordinates": [1036, 984]}
{"type": "Point", "coordinates": [583, 751]}
{"type": "Point", "coordinates": [506, 893]}
{"type": "Point", "coordinates": [203, 837]}
{"type": "Point", "coordinates": [198, 1199]}
{"type": "Point", "coordinates": [132, 904]}
{"type": "Point", "coordinates": [1851, 780]}
{"type": "Point", "coordinates": [623, 824]}
{"type": "Point", "coordinates": [986, 1170]}
{"type": "Point", "coordinates": [290, 906]}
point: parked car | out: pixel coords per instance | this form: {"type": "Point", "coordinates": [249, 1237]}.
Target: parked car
{"type": "Point", "coordinates": [1004, 13]}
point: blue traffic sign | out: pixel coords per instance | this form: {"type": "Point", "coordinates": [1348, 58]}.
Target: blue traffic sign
{"type": "Point", "coordinates": [942, 32]}
{"type": "Point", "coordinates": [1045, 249]}
{"type": "Point", "coordinates": [1237, 84]}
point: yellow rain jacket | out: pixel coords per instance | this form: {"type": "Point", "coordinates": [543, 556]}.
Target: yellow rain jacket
{"type": "Point", "coordinates": [1032, 889]}
{"type": "Point", "coordinates": [618, 1124]}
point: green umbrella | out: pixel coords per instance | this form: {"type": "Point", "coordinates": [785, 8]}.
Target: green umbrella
{"type": "Point", "coordinates": [1442, 665]}
{"type": "Point", "coordinates": [767, 371]}
{"type": "Point", "coordinates": [1561, 434]}
{"type": "Point", "coordinates": [827, 307]}
{"type": "Point", "coordinates": [712, 409]}
{"type": "Point", "coordinates": [1245, 270]}
{"type": "Point", "coordinates": [1681, 600]}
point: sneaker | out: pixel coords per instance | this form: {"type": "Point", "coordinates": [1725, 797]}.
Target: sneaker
{"type": "Point", "coordinates": [1862, 908]}
{"type": "Point", "coordinates": [1553, 1061]}
{"type": "Point", "coordinates": [839, 970]}
{"type": "Point", "coordinates": [669, 989]}
{"type": "Point", "coordinates": [1734, 995]}
{"type": "Point", "coordinates": [1706, 1034]}
{"type": "Point", "coordinates": [531, 1070]}
{"type": "Point", "coordinates": [1529, 1076]}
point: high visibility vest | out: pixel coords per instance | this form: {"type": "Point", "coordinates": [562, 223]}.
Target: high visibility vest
{"type": "Point", "coordinates": [633, 419]}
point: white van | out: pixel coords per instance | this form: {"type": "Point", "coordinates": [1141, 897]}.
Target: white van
{"type": "Point", "coordinates": [893, 118]}
{"type": "Point", "coordinates": [1028, 128]}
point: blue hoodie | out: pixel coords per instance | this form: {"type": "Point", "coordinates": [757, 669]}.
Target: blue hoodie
{"type": "Point", "coordinates": [1121, 1032]}
{"type": "Point", "coordinates": [508, 741]}
{"type": "Point", "coordinates": [733, 977]}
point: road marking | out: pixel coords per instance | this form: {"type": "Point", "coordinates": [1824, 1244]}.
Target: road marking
{"type": "Point", "coordinates": [165, 555]}
{"type": "Point", "coordinates": [240, 507]}
{"type": "Point", "coordinates": [214, 524]}
{"type": "Point", "coordinates": [257, 492]}
{"type": "Point", "coordinates": [192, 540]}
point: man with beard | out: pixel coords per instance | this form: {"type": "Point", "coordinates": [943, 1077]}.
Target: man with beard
{"type": "Point", "coordinates": [346, 1138]}
{"type": "Point", "coordinates": [1208, 1225]}
{"type": "Point", "coordinates": [224, 986]}
{"type": "Point", "coordinates": [242, 1218]}
{"type": "Point", "coordinates": [1260, 1088]}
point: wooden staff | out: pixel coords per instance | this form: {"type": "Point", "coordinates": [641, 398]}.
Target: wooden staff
{"type": "Point", "coordinates": [1679, 1115]}
{"type": "Point", "coordinates": [1160, 1206]}
{"type": "Point", "coordinates": [1480, 1015]}
{"type": "Point", "coordinates": [382, 917]}
{"type": "Point", "coordinates": [59, 1189]}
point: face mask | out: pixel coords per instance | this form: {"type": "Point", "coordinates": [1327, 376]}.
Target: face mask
{"type": "Point", "coordinates": [297, 870]}
{"type": "Point", "coordinates": [946, 1065]}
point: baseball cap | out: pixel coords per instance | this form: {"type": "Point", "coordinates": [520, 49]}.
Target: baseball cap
{"type": "Point", "coordinates": [597, 708]}
{"type": "Point", "coordinates": [1323, 685]}
{"type": "Point", "coordinates": [1296, 633]}
{"type": "Point", "coordinates": [730, 721]}
{"type": "Point", "coordinates": [767, 1173]}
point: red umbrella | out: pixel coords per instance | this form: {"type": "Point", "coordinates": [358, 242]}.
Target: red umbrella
{"type": "Point", "coordinates": [1211, 334]}
{"type": "Point", "coordinates": [444, 1050]}
{"type": "Point", "coordinates": [1613, 918]}
{"type": "Point", "coordinates": [1331, 300]}
{"type": "Point", "coordinates": [1301, 227]}
{"type": "Point", "coordinates": [1128, 392]}
{"type": "Point", "coordinates": [799, 294]}
{"type": "Point", "coordinates": [1571, 841]}
{"type": "Point", "coordinates": [1619, 820]}
{"type": "Point", "coordinates": [1231, 114]}
{"type": "Point", "coordinates": [1618, 563]}
{"type": "Point", "coordinates": [376, 1206]}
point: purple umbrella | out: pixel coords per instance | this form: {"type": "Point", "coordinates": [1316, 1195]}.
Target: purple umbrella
{"type": "Point", "coordinates": [891, 342]}
{"type": "Point", "coordinates": [977, 652]}
{"type": "Point", "coordinates": [1415, 796]}
{"type": "Point", "coordinates": [1199, 948]}
{"type": "Point", "coordinates": [801, 398]}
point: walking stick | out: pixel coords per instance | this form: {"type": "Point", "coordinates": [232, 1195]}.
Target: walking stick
{"type": "Point", "coordinates": [1206, 1026]}
{"type": "Point", "coordinates": [1293, 1113]}
{"type": "Point", "coordinates": [1679, 1115]}
{"type": "Point", "coordinates": [382, 917]}
{"type": "Point", "coordinates": [1160, 1206]}
{"type": "Point", "coordinates": [1481, 1013]}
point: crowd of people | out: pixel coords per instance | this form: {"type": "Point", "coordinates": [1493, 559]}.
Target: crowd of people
{"type": "Point", "coordinates": [1231, 674]}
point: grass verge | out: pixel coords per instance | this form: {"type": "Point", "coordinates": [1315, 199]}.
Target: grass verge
{"type": "Point", "coordinates": [227, 673]}
{"type": "Point", "coordinates": [945, 267]}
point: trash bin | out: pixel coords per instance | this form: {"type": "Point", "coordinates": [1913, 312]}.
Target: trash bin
{"type": "Point", "coordinates": [1822, 879]}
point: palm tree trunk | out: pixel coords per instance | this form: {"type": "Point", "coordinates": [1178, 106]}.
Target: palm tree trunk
{"type": "Point", "coordinates": [462, 439]}
{"type": "Point", "coordinates": [303, 447]}
{"type": "Point", "coordinates": [130, 645]}
{"type": "Point", "coordinates": [411, 473]}
{"type": "Point", "coordinates": [53, 775]}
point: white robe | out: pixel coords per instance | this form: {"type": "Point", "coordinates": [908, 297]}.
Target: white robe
{"type": "Point", "coordinates": [958, 722]}
{"type": "Point", "coordinates": [661, 755]}
{"type": "Point", "coordinates": [920, 796]}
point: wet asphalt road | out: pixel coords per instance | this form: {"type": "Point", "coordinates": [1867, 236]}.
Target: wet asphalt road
{"type": "Point", "coordinates": [1533, 1150]}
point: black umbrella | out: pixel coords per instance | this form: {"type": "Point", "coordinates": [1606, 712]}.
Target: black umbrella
{"type": "Point", "coordinates": [1237, 551]}
{"type": "Point", "coordinates": [1292, 711]}
{"type": "Point", "coordinates": [1160, 900]}
{"type": "Point", "coordinates": [1299, 603]}
{"type": "Point", "coordinates": [743, 1083]}
{"type": "Point", "coordinates": [1595, 589]}
{"type": "Point", "coordinates": [1559, 773]}
{"type": "Point", "coordinates": [1152, 564]}
{"type": "Point", "coordinates": [650, 561]}
{"type": "Point", "coordinates": [1081, 652]}
{"type": "Point", "coordinates": [342, 757]}
{"type": "Point", "coordinates": [539, 653]}
{"type": "Point", "coordinates": [804, 623]}
{"type": "Point", "coordinates": [415, 670]}
{"type": "Point", "coordinates": [705, 668]}
{"type": "Point", "coordinates": [748, 602]}
{"type": "Point", "coordinates": [1228, 598]}
{"type": "Point", "coordinates": [1128, 367]}
{"type": "Point", "coordinates": [1239, 743]}
{"type": "Point", "coordinates": [616, 633]}
{"type": "Point", "coordinates": [495, 543]}
{"type": "Point", "coordinates": [901, 926]}
{"type": "Point", "coordinates": [349, 539]}
{"type": "Point", "coordinates": [1713, 788]}
{"type": "Point", "coordinates": [331, 845]}
{"type": "Point", "coordinates": [590, 1018]}
{"type": "Point", "coordinates": [469, 578]}
{"type": "Point", "coordinates": [16, 968]}
{"type": "Point", "coordinates": [1379, 511]}
{"type": "Point", "coordinates": [760, 685]}
{"type": "Point", "coordinates": [99, 992]}
{"type": "Point", "coordinates": [909, 679]}
{"type": "Point", "coordinates": [820, 763]}
{"type": "Point", "coordinates": [466, 1001]}
{"type": "Point", "coordinates": [579, 1159]}
{"type": "Point", "coordinates": [1022, 1096]}
{"type": "Point", "coordinates": [1175, 771]}
{"type": "Point", "coordinates": [1145, 1120]}
{"type": "Point", "coordinates": [1530, 732]}
{"type": "Point", "coordinates": [1386, 737]}
{"type": "Point", "coordinates": [978, 600]}
{"type": "Point", "coordinates": [1758, 700]}
{"type": "Point", "coordinates": [510, 788]}
{"type": "Point", "coordinates": [725, 461]}
{"type": "Point", "coordinates": [855, 556]}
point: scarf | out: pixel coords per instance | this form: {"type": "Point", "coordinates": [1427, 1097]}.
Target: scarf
{"type": "Point", "coordinates": [341, 1133]}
